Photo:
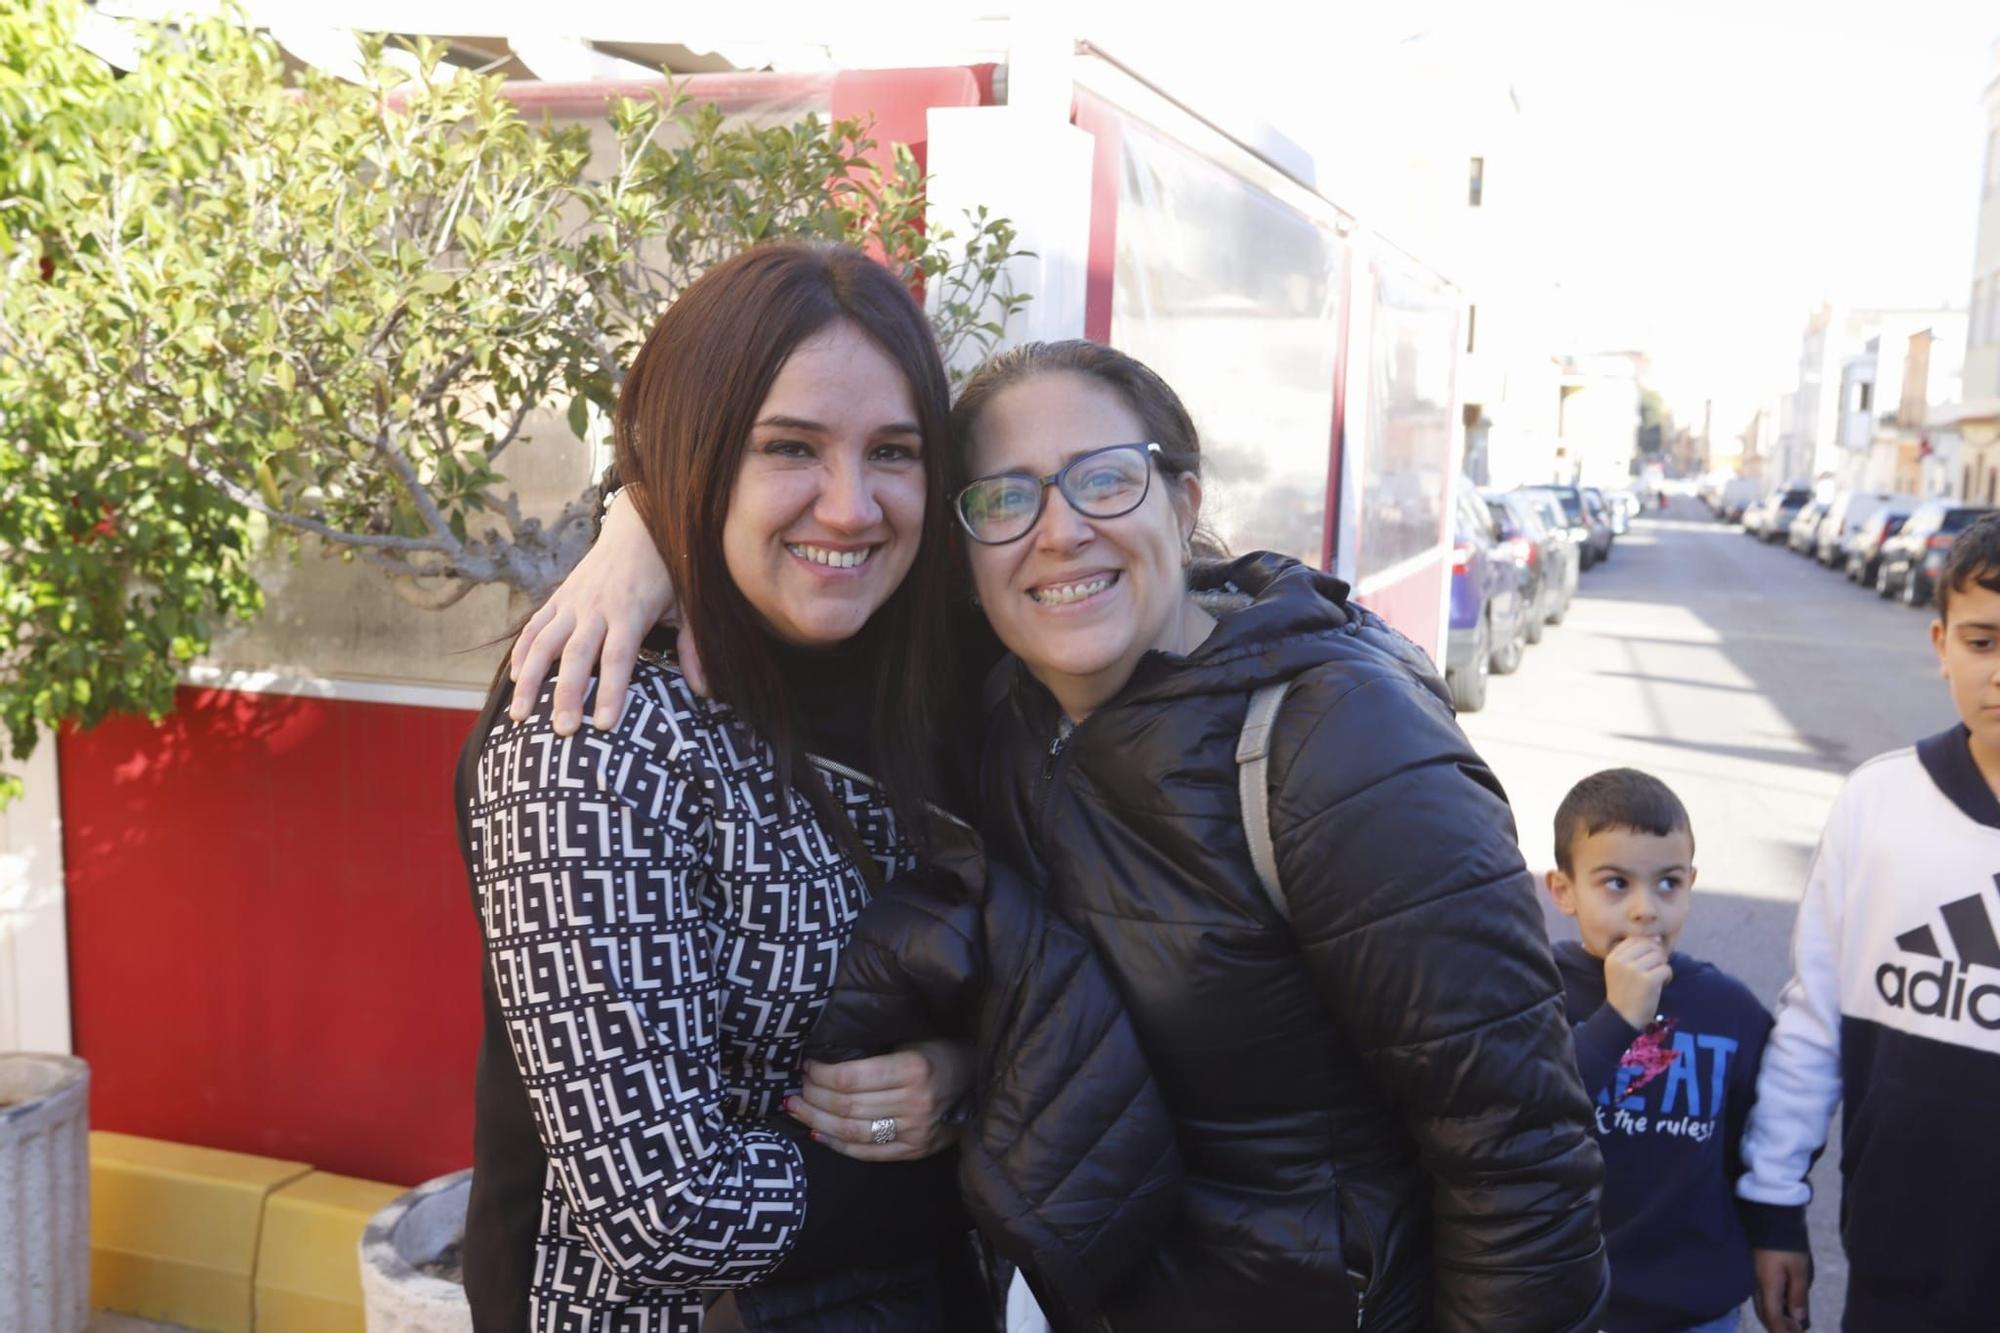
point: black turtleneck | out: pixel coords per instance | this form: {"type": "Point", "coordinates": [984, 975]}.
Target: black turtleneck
{"type": "Point", "coordinates": [833, 693]}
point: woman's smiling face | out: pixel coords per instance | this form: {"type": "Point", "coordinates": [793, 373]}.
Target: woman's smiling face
{"type": "Point", "coordinates": [1080, 600]}
{"type": "Point", "coordinates": [828, 507]}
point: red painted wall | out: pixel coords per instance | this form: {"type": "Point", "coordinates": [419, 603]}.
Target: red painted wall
{"type": "Point", "coordinates": [272, 947]}
{"type": "Point", "coordinates": [898, 102]}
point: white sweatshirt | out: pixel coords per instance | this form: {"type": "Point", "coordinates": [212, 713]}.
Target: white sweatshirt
{"type": "Point", "coordinates": [1894, 1009]}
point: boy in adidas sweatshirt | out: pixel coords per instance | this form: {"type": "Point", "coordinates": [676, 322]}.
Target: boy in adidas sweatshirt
{"type": "Point", "coordinates": [1894, 1008]}
{"type": "Point", "coordinates": [1668, 1047]}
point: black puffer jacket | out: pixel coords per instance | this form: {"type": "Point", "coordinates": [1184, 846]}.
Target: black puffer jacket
{"type": "Point", "coordinates": [1068, 1162]}
{"type": "Point", "coordinates": [1377, 1104]}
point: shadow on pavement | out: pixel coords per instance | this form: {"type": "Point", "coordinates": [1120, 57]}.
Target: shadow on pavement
{"type": "Point", "coordinates": [1825, 756]}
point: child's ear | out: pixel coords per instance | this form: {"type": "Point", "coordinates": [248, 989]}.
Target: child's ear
{"type": "Point", "coordinates": [1560, 890]}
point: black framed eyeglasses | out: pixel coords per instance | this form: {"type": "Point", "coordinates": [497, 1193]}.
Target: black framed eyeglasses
{"type": "Point", "coordinates": [1104, 483]}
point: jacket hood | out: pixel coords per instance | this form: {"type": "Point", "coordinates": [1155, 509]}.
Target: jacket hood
{"type": "Point", "coordinates": [1275, 618]}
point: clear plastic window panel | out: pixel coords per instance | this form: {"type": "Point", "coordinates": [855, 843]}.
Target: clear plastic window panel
{"type": "Point", "coordinates": [1407, 452]}
{"type": "Point", "coordinates": [1235, 299]}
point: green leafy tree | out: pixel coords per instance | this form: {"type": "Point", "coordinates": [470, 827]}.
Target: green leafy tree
{"type": "Point", "coordinates": [242, 306]}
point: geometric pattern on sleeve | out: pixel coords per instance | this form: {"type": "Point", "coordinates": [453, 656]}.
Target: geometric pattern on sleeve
{"type": "Point", "coordinates": [662, 922]}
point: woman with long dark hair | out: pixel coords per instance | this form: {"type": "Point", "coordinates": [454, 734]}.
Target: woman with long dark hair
{"type": "Point", "coordinates": [664, 901]}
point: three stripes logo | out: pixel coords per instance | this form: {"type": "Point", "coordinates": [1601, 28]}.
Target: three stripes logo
{"type": "Point", "coordinates": [1945, 990]}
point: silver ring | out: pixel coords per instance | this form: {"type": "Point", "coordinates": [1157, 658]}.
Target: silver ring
{"type": "Point", "coordinates": [883, 1130]}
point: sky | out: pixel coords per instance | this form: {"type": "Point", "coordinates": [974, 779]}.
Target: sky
{"type": "Point", "coordinates": [1701, 175]}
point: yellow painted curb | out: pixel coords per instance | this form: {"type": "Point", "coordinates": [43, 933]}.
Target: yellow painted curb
{"type": "Point", "coordinates": [309, 1261]}
{"type": "Point", "coordinates": [174, 1229]}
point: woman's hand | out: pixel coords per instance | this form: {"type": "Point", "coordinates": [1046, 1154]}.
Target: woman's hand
{"type": "Point", "coordinates": [595, 622]}
{"type": "Point", "coordinates": [915, 1085]}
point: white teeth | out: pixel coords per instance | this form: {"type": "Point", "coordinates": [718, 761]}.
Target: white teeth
{"type": "Point", "coordinates": [819, 555]}
{"type": "Point", "coordinates": [1062, 594]}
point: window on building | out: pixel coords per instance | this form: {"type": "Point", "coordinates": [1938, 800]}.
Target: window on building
{"type": "Point", "coordinates": [1864, 396]}
{"type": "Point", "coordinates": [1476, 190]}
{"type": "Point", "coordinates": [1471, 329]}
{"type": "Point", "coordinates": [1991, 477]}
{"type": "Point", "coordinates": [1965, 485]}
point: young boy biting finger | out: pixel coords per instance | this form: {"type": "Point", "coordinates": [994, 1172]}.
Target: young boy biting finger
{"type": "Point", "coordinates": [1669, 1049]}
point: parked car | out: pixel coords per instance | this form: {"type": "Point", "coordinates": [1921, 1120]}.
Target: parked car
{"type": "Point", "coordinates": [1589, 527]}
{"type": "Point", "coordinates": [1597, 506]}
{"type": "Point", "coordinates": [1563, 549]}
{"type": "Point", "coordinates": [1866, 555]}
{"type": "Point", "coordinates": [1538, 552]}
{"type": "Point", "coordinates": [1850, 513]}
{"type": "Point", "coordinates": [1488, 627]}
{"type": "Point", "coordinates": [1709, 490]}
{"type": "Point", "coordinates": [1575, 528]}
{"type": "Point", "coordinates": [1910, 560]}
{"type": "Point", "coordinates": [1775, 514]}
{"type": "Point", "coordinates": [1803, 534]}
{"type": "Point", "coordinates": [1752, 517]}
{"type": "Point", "coordinates": [1734, 496]}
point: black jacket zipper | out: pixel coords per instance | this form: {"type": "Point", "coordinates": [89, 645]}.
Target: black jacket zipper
{"type": "Point", "coordinates": [1052, 763]}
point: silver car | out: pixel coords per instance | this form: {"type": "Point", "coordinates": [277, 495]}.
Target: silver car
{"type": "Point", "coordinates": [1775, 515]}
{"type": "Point", "coordinates": [1849, 514]}
{"type": "Point", "coordinates": [1803, 535]}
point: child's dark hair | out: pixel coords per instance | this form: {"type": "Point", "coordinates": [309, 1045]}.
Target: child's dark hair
{"type": "Point", "coordinates": [1974, 558]}
{"type": "Point", "coordinates": [1618, 798]}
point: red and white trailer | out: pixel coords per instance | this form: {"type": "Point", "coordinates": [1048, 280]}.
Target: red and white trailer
{"type": "Point", "coordinates": [1318, 359]}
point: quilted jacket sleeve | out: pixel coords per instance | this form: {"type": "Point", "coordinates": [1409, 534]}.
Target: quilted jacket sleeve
{"type": "Point", "coordinates": [1419, 924]}
{"type": "Point", "coordinates": [1068, 1163]}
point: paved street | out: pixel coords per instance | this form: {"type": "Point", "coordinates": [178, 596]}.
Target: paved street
{"type": "Point", "coordinates": [1750, 680]}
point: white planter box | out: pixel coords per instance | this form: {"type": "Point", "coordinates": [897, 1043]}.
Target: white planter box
{"type": "Point", "coordinates": [45, 1186]}
{"type": "Point", "coordinates": [416, 1229]}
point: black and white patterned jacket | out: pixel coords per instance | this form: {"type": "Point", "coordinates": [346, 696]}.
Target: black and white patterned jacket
{"type": "Point", "coordinates": [662, 927]}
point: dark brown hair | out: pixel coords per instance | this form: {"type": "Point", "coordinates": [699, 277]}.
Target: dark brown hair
{"type": "Point", "coordinates": [1151, 399]}
{"type": "Point", "coordinates": [684, 420]}
{"type": "Point", "coordinates": [1622, 798]}
{"type": "Point", "coordinates": [1974, 558]}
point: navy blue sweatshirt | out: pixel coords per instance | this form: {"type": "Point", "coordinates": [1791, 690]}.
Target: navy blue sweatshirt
{"type": "Point", "coordinates": [1678, 1237]}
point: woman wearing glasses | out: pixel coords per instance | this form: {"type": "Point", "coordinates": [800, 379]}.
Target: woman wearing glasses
{"type": "Point", "coordinates": [1366, 1062]}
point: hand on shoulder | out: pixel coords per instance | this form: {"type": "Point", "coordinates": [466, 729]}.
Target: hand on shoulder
{"type": "Point", "coordinates": [592, 626]}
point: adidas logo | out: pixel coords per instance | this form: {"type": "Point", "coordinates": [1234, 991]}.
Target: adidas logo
{"type": "Point", "coordinates": [1943, 991]}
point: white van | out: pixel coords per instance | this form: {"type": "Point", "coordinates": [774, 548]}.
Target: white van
{"type": "Point", "coordinates": [1736, 495]}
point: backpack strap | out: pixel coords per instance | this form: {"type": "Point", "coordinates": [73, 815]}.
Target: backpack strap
{"type": "Point", "coordinates": [1253, 749]}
